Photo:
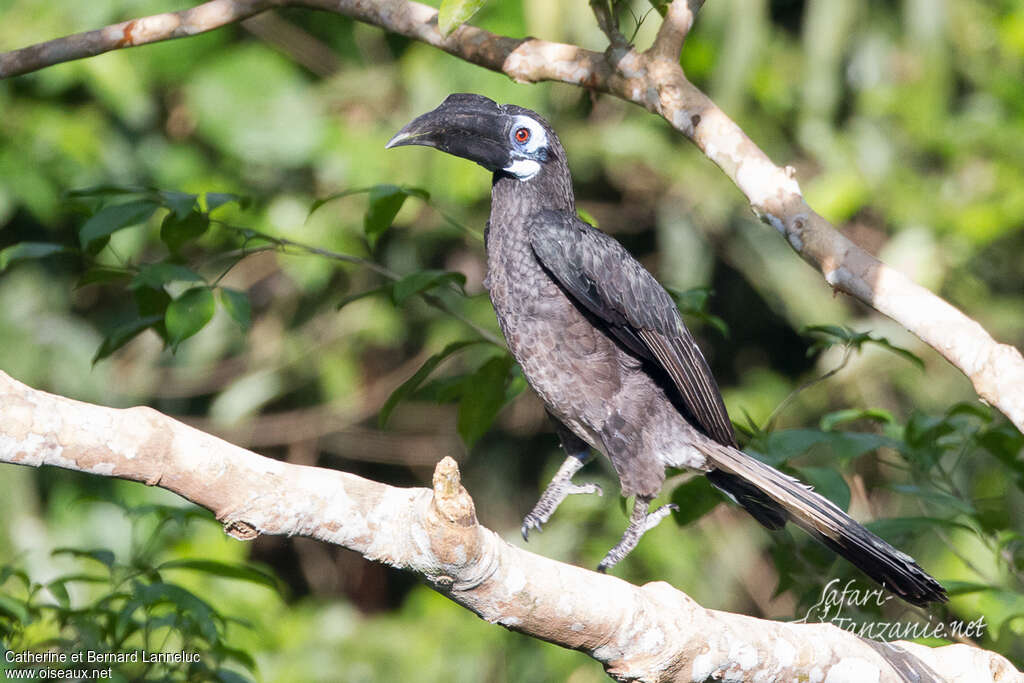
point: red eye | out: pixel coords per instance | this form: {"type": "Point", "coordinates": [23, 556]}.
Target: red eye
{"type": "Point", "coordinates": [522, 135]}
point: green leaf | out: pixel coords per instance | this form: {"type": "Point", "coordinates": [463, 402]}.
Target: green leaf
{"type": "Point", "coordinates": [940, 498]}
{"type": "Point", "coordinates": [349, 298]}
{"type": "Point", "coordinates": [693, 303]}
{"type": "Point", "coordinates": [385, 203]}
{"type": "Point", "coordinates": [829, 483]}
{"type": "Point", "coordinates": [924, 430]}
{"type": "Point", "coordinates": [59, 591]}
{"type": "Point", "coordinates": [215, 200]}
{"type": "Point", "coordinates": [237, 305]}
{"type": "Point", "coordinates": [330, 198]}
{"type": "Point", "coordinates": [101, 275]}
{"type": "Point", "coordinates": [422, 280]}
{"type": "Point", "coordinates": [241, 656]}
{"type": "Point", "coordinates": [443, 389]}
{"type": "Point", "coordinates": [968, 409]}
{"type": "Point", "coordinates": [17, 609]}
{"type": "Point", "coordinates": [186, 603]}
{"type": "Point", "coordinates": [660, 6]}
{"type": "Point", "coordinates": [29, 250]}
{"type": "Point", "coordinates": [898, 530]}
{"type": "Point", "coordinates": [187, 314]}
{"type": "Point", "coordinates": [1004, 442]}
{"type": "Point", "coordinates": [482, 397]}
{"type": "Point", "coordinates": [898, 350]}
{"type": "Point", "coordinates": [104, 557]}
{"type": "Point", "coordinates": [999, 607]}
{"type": "Point", "coordinates": [156, 275]}
{"type": "Point", "coordinates": [181, 204]}
{"type": "Point", "coordinates": [963, 587]}
{"type": "Point", "coordinates": [229, 676]}
{"type": "Point", "coordinates": [176, 231]}
{"type": "Point", "coordinates": [7, 571]}
{"type": "Point", "coordinates": [454, 13]}
{"type": "Point", "coordinates": [123, 334]}
{"type": "Point", "coordinates": [110, 219]}
{"type": "Point", "coordinates": [107, 190]}
{"type": "Point", "coordinates": [778, 447]}
{"type": "Point", "coordinates": [153, 301]}
{"type": "Point", "coordinates": [849, 445]}
{"type": "Point", "coordinates": [830, 335]}
{"type": "Point", "coordinates": [410, 385]}
{"type": "Point", "coordinates": [834, 419]}
{"type": "Point", "coordinates": [695, 498]}
{"type": "Point", "coordinates": [227, 571]}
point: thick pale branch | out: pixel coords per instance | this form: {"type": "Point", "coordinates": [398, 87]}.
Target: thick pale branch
{"type": "Point", "coordinates": [655, 81]}
{"type": "Point", "coordinates": [646, 633]}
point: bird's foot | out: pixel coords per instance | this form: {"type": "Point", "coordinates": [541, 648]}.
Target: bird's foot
{"type": "Point", "coordinates": [560, 488]}
{"type": "Point", "coordinates": [640, 522]}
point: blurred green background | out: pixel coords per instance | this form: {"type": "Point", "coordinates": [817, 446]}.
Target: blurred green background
{"type": "Point", "coordinates": [904, 122]}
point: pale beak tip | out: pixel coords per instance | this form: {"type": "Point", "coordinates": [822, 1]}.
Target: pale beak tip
{"type": "Point", "coordinates": [397, 140]}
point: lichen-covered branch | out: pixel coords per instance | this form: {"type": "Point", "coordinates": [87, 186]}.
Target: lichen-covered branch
{"type": "Point", "coordinates": [652, 79]}
{"type": "Point", "coordinates": [639, 633]}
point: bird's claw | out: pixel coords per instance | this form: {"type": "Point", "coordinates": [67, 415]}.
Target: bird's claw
{"type": "Point", "coordinates": [639, 524]}
{"type": "Point", "coordinates": [584, 488]}
{"type": "Point", "coordinates": [530, 522]}
{"type": "Point", "coordinates": [553, 496]}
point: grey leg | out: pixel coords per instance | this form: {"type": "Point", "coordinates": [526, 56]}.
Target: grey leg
{"type": "Point", "coordinates": [559, 489]}
{"type": "Point", "coordinates": [640, 522]}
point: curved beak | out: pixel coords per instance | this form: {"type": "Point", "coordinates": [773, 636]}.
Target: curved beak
{"type": "Point", "coordinates": [467, 126]}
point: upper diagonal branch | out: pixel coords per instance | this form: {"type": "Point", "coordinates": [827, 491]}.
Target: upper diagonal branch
{"type": "Point", "coordinates": [153, 29]}
{"type": "Point", "coordinates": [645, 633]}
{"type": "Point", "coordinates": [673, 30]}
{"type": "Point", "coordinates": [655, 81]}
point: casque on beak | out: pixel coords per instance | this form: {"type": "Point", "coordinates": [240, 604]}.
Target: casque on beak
{"type": "Point", "coordinates": [464, 125]}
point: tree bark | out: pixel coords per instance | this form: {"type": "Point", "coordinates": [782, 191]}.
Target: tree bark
{"type": "Point", "coordinates": [638, 633]}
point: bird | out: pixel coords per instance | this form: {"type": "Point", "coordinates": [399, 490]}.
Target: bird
{"type": "Point", "coordinates": [603, 345]}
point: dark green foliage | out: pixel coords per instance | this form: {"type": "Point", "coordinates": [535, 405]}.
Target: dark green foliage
{"type": "Point", "coordinates": [693, 303]}
{"type": "Point", "coordinates": [177, 231]}
{"type": "Point", "coordinates": [130, 605]}
{"type": "Point", "coordinates": [96, 232]}
{"type": "Point", "coordinates": [29, 250]}
{"type": "Point", "coordinates": [237, 305]}
{"type": "Point", "coordinates": [483, 395]}
{"type": "Point", "coordinates": [385, 203]}
{"type": "Point", "coordinates": [830, 335]}
{"type": "Point", "coordinates": [695, 498]}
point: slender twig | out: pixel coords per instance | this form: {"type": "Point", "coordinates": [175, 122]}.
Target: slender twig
{"type": "Point", "coordinates": [769, 424]}
{"type": "Point", "coordinates": [383, 271]}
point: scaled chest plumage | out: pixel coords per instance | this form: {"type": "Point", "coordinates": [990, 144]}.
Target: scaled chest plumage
{"type": "Point", "coordinates": [541, 323]}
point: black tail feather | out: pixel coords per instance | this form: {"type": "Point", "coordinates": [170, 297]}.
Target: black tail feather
{"type": "Point", "coordinates": [772, 498]}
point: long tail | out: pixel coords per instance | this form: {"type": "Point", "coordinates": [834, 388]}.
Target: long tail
{"type": "Point", "coordinates": [774, 498]}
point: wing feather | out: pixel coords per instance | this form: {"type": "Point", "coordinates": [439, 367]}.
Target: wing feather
{"type": "Point", "coordinates": [615, 288]}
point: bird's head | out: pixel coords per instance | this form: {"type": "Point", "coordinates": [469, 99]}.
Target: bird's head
{"type": "Point", "coordinates": [502, 138]}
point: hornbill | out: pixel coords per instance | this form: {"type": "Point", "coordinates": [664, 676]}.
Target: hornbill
{"type": "Point", "coordinates": [603, 345]}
